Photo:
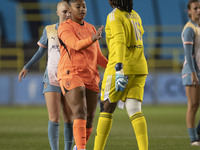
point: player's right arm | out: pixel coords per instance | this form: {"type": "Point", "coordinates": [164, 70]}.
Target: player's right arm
{"type": "Point", "coordinates": [115, 23]}
{"type": "Point", "coordinates": [43, 42]}
{"type": "Point", "coordinates": [188, 42]}
{"type": "Point", "coordinates": [37, 56]}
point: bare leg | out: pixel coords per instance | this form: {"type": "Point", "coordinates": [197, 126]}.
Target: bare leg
{"type": "Point", "coordinates": [77, 101]}
{"type": "Point", "coordinates": [91, 99]}
{"type": "Point", "coordinates": [53, 102]}
{"type": "Point", "coordinates": [67, 113]}
{"type": "Point", "coordinates": [68, 124]}
{"type": "Point", "coordinates": [193, 96]}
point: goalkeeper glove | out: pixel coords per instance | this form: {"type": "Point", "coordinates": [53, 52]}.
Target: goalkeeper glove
{"type": "Point", "coordinates": [121, 80]}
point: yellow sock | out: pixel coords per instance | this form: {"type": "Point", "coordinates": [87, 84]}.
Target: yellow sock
{"type": "Point", "coordinates": [140, 127]}
{"type": "Point", "coordinates": [103, 130]}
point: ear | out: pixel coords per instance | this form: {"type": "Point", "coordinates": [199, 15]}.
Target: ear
{"type": "Point", "coordinates": [189, 12]}
{"type": "Point", "coordinates": [57, 12]}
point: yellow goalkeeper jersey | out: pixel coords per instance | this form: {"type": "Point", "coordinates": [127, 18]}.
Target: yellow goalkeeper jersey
{"type": "Point", "coordinates": [124, 33]}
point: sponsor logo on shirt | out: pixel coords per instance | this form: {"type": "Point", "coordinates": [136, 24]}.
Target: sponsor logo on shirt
{"type": "Point", "coordinates": [53, 38]}
{"type": "Point", "coordinates": [68, 84]}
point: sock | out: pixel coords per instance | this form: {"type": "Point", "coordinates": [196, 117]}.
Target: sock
{"type": "Point", "coordinates": [198, 128]}
{"type": "Point", "coordinates": [68, 134]}
{"type": "Point", "coordinates": [53, 134]}
{"type": "Point", "coordinates": [79, 130]}
{"type": "Point", "coordinates": [139, 125]}
{"type": "Point", "coordinates": [88, 133]}
{"type": "Point", "coordinates": [103, 130]}
{"type": "Point", "coordinates": [193, 134]}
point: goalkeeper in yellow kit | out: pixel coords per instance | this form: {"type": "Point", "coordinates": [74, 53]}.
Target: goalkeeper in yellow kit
{"type": "Point", "coordinates": [126, 72]}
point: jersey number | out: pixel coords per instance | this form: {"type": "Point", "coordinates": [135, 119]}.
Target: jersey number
{"type": "Point", "coordinates": [137, 30]}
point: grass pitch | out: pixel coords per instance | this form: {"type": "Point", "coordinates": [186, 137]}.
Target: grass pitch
{"type": "Point", "coordinates": [25, 128]}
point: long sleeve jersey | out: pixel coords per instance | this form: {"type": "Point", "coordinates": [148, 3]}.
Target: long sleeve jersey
{"type": "Point", "coordinates": [124, 33]}
{"type": "Point", "coordinates": [82, 54]}
{"type": "Point", "coordinates": [48, 43]}
{"type": "Point", "coordinates": [191, 43]}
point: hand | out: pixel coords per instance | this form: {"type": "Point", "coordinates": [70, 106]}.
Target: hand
{"type": "Point", "coordinates": [195, 80]}
{"type": "Point", "coordinates": [97, 36]}
{"type": "Point", "coordinates": [121, 80]}
{"type": "Point", "coordinates": [22, 74]}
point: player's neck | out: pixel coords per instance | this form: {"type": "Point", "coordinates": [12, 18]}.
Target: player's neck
{"type": "Point", "coordinates": [197, 21]}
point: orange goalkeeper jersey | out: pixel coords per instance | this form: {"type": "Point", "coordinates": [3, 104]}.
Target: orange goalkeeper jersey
{"type": "Point", "coordinates": [82, 54]}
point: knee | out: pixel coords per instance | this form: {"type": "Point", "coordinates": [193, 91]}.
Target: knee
{"type": "Point", "coordinates": [54, 119]}
{"type": "Point", "coordinates": [54, 116]}
{"type": "Point", "coordinates": [194, 106]}
{"type": "Point", "coordinates": [67, 118]}
{"type": "Point", "coordinates": [108, 107]}
{"type": "Point", "coordinates": [81, 113]}
{"type": "Point", "coordinates": [133, 106]}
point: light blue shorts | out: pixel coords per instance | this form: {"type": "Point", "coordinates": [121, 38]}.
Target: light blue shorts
{"type": "Point", "coordinates": [51, 88]}
{"type": "Point", "coordinates": [187, 80]}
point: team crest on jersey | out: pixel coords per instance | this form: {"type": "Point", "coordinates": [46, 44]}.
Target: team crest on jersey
{"type": "Point", "coordinates": [53, 38]}
{"type": "Point", "coordinates": [55, 46]}
{"type": "Point", "coordinates": [68, 84]}
{"type": "Point", "coordinates": [45, 85]}
{"type": "Point", "coordinates": [78, 33]}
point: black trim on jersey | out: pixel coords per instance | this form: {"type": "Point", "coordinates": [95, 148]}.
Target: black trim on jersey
{"type": "Point", "coordinates": [63, 44]}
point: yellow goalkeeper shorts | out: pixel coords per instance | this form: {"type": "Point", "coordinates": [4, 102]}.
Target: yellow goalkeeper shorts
{"type": "Point", "coordinates": [134, 89]}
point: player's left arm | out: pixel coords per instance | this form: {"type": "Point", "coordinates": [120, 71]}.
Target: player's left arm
{"type": "Point", "coordinates": [101, 59]}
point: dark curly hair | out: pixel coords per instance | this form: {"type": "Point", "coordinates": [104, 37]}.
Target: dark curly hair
{"type": "Point", "coordinates": [123, 5]}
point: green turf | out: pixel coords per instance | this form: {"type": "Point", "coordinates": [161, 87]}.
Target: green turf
{"type": "Point", "coordinates": [25, 128]}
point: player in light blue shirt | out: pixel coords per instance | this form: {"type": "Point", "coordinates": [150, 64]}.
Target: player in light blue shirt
{"type": "Point", "coordinates": [52, 91]}
{"type": "Point", "coordinates": [190, 72]}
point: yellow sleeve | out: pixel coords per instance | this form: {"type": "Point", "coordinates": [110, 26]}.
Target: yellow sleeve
{"type": "Point", "coordinates": [118, 33]}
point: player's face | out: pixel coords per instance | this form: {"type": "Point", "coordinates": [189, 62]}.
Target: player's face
{"type": "Point", "coordinates": [63, 12]}
{"type": "Point", "coordinates": [194, 11]}
{"type": "Point", "coordinates": [78, 11]}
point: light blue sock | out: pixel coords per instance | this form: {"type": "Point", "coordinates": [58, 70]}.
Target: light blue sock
{"type": "Point", "coordinates": [68, 134]}
{"type": "Point", "coordinates": [193, 134]}
{"type": "Point", "coordinates": [53, 134]}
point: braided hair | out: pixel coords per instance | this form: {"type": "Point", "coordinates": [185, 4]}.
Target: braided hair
{"type": "Point", "coordinates": [123, 5]}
